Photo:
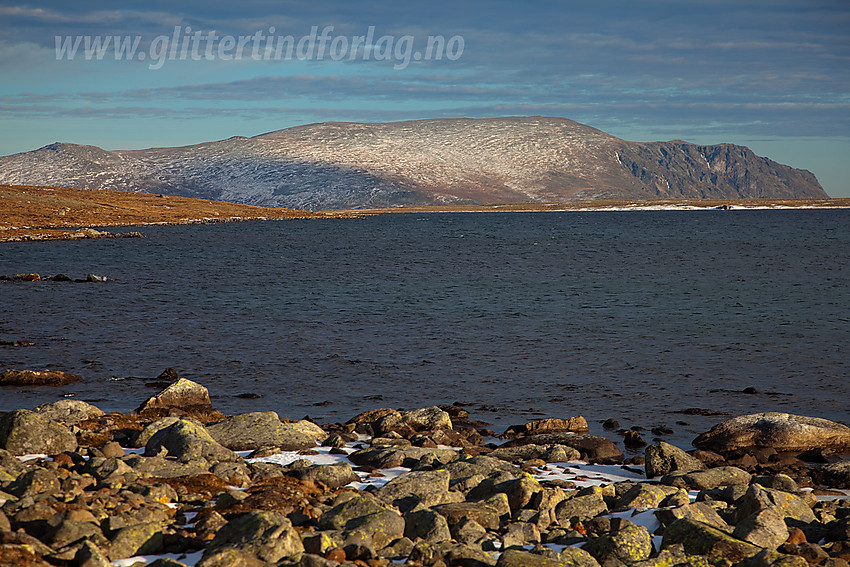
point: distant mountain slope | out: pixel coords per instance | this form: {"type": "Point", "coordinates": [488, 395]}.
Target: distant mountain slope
{"type": "Point", "coordinates": [422, 162]}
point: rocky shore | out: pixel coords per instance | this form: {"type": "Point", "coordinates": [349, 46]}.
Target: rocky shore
{"type": "Point", "coordinates": [178, 483]}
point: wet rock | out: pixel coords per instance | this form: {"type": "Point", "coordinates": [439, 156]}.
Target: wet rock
{"type": "Point", "coordinates": [628, 544]}
{"type": "Point", "coordinates": [183, 395]}
{"type": "Point", "coordinates": [188, 441]}
{"type": "Point", "coordinates": [584, 506]}
{"type": "Point", "coordinates": [592, 447]}
{"type": "Point", "coordinates": [333, 476]}
{"type": "Point", "coordinates": [26, 277]}
{"type": "Point", "coordinates": [94, 278]}
{"type": "Point", "coordinates": [787, 505]}
{"type": "Point", "coordinates": [633, 441]}
{"type": "Point", "coordinates": [665, 458]}
{"type": "Point", "coordinates": [254, 430]}
{"type": "Point", "coordinates": [138, 539]}
{"type": "Point", "coordinates": [426, 525]}
{"type": "Point", "coordinates": [765, 528]}
{"type": "Point", "coordinates": [68, 411]}
{"type": "Point", "coordinates": [268, 536]}
{"type": "Point", "coordinates": [711, 478]}
{"type": "Point", "coordinates": [701, 539]}
{"type": "Point", "coordinates": [23, 432]}
{"type": "Point", "coordinates": [780, 431]}
{"type": "Point", "coordinates": [697, 511]}
{"type": "Point", "coordinates": [390, 457]}
{"type": "Point", "coordinates": [546, 453]}
{"type": "Point", "coordinates": [37, 378]}
{"type": "Point", "coordinates": [426, 488]}
{"type": "Point", "coordinates": [574, 424]}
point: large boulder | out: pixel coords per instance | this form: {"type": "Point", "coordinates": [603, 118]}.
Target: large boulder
{"type": "Point", "coordinates": [389, 457]}
{"type": "Point", "coordinates": [188, 441]}
{"type": "Point", "coordinates": [708, 479]}
{"type": "Point", "coordinates": [592, 447]}
{"type": "Point", "coordinates": [665, 458]}
{"type": "Point", "coordinates": [268, 536]}
{"type": "Point", "coordinates": [701, 539]}
{"type": "Point", "coordinates": [547, 453]}
{"type": "Point", "coordinates": [779, 431]}
{"type": "Point", "coordinates": [365, 514]}
{"type": "Point", "coordinates": [69, 411]}
{"type": "Point", "coordinates": [183, 395]}
{"type": "Point", "coordinates": [24, 432]}
{"type": "Point", "coordinates": [37, 378]}
{"type": "Point", "coordinates": [628, 544]}
{"type": "Point", "coordinates": [428, 488]}
{"type": "Point", "coordinates": [254, 430]}
{"type": "Point", "coordinates": [787, 505]}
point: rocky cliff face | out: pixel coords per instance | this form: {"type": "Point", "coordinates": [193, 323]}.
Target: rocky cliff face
{"type": "Point", "coordinates": [449, 161]}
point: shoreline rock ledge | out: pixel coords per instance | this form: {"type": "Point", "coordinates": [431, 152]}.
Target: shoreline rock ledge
{"type": "Point", "coordinates": [782, 432]}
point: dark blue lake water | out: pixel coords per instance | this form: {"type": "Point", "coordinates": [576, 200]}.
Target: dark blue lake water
{"type": "Point", "coordinates": [632, 315]}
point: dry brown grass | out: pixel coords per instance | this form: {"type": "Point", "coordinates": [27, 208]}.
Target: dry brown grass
{"type": "Point", "coordinates": [55, 212]}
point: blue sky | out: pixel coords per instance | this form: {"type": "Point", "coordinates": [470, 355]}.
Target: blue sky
{"type": "Point", "coordinates": [772, 75]}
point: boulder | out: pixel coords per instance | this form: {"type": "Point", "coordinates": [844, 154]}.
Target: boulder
{"type": "Point", "coordinates": [772, 558]}
{"type": "Point", "coordinates": [697, 511]}
{"type": "Point", "coordinates": [428, 488]}
{"type": "Point", "coordinates": [250, 431]}
{"type": "Point", "coordinates": [24, 432]}
{"type": "Point", "coordinates": [37, 378]}
{"type": "Point", "coordinates": [711, 478]}
{"type": "Point", "coordinates": [426, 525]}
{"type": "Point", "coordinates": [390, 457]}
{"type": "Point", "coordinates": [765, 528]}
{"type": "Point", "coordinates": [69, 411]}
{"type": "Point", "coordinates": [268, 536]}
{"type": "Point", "coordinates": [182, 395]}
{"type": "Point", "coordinates": [518, 558]}
{"type": "Point", "coordinates": [665, 458]}
{"type": "Point", "coordinates": [574, 424]}
{"type": "Point", "coordinates": [583, 507]}
{"type": "Point", "coordinates": [643, 495]}
{"type": "Point", "coordinates": [546, 453]}
{"type": "Point", "coordinates": [333, 476]}
{"type": "Point", "coordinates": [787, 505]}
{"type": "Point", "coordinates": [143, 436]}
{"type": "Point", "coordinates": [701, 539]}
{"type": "Point", "coordinates": [138, 539]}
{"type": "Point", "coordinates": [427, 419]}
{"type": "Point", "coordinates": [188, 441]}
{"type": "Point", "coordinates": [365, 514]}
{"type": "Point", "coordinates": [485, 515]}
{"type": "Point", "coordinates": [835, 475]}
{"type": "Point", "coordinates": [779, 431]}
{"type": "Point", "coordinates": [628, 544]}
{"type": "Point", "coordinates": [592, 447]}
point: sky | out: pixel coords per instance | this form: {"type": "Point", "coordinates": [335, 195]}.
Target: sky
{"type": "Point", "coordinates": [773, 75]}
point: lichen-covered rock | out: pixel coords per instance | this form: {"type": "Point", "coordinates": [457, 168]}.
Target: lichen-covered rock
{"type": "Point", "coordinates": [551, 425]}
{"type": "Point", "coordinates": [836, 475]}
{"type": "Point", "coordinates": [772, 558]}
{"type": "Point", "coordinates": [427, 419]}
{"type": "Point", "coordinates": [428, 488]}
{"type": "Point", "coordinates": [35, 482]}
{"type": "Point", "coordinates": [701, 539]}
{"type": "Point", "coordinates": [333, 476]}
{"type": "Point", "coordinates": [69, 411]}
{"type": "Point", "coordinates": [165, 468]}
{"type": "Point", "coordinates": [764, 528]}
{"type": "Point", "coordinates": [182, 395]}
{"type": "Point", "coordinates": [643, 495]}
{"type": "Point", "coordinates": [518, 558]}
{"type": "Point", "coordinates": [364, 513]}
{"type": "Point", "coordinates": [628, 544]}
{"type": "Point", "coordinates": [547, 453]}
{"type": "Point", "coordinates": [583, 507]}
{"type": "Point", "coordinates": [268, 536]}
{"type": "Point", "coordinates": [37, 378]}
{"type": "Point", "coordinates": [697, 511]}
{"type": "Point", "coordinates": [389, 457]}
{"type": "Point", "coordinates": [486, 516]}
{"type": "Point", "coordinates": [138, 539]}
{"type": "Point", "coordinates": [188, 441]}
{"type": "Point", "coordinates": [426, 525]}
{"type": "Point", "coordinates": [780, 431]}
{"type": "Point", "coordinates": [675, 556]}
{"type": "Point", "coordinates": [520, 534]}
{"type": "Point", "coordinates": [254, 430]}
{"type": "Point", "coordinates": [707, 479]}
{"type": "Point", "coordinates": [785, 504]}
{"type": "Point", "coordinates": [665, 458]}
{"type": "Point", "coordinates": [24, 432]}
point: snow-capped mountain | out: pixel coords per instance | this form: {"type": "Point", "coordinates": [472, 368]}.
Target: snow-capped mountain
{"type": "Point", "coordinates": [443, 161]}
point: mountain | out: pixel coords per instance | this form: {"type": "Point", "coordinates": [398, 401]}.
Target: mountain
{"type": "Point", "coordinates": [422, 162]}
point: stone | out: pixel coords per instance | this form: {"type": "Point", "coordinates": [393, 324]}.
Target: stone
{"type": "Point", "coordinates": [254, 430]}
{"type": "Point", "coordinates": [138, 539]}
{"type": "Point", "coordinates": [787, 505]}
{"type": "Point", "coordinates": [333, 476]}
{"type": "Point", "coordinates": [182, 395]}
{"type": "Point", "coordinates": [426, 525]}
{"type": "Point", "coordinates": [428, 488]}
{"type": "Point", "coordinates": [701, 539]}
{"type": "Point", "coordinates": [390, 457]}
{"type": "Point", "coordinates": [366, 514]}
{"type": "Point", "coordinates": [520, 491]}
{"type": "Point", "coordinates": [765, 528]}
{"type": "Point", "coordinates": [230, 557]}
{"type": "Point", "coordinates": [143, 436]}
{"type": "Point", "coordinates": [35, 482]}
{"type": "Point", "coordinates": [467, 531]}
{"type": "Point", "coordinates": [592, 447]}
{"type": "Point", "coordinates": [836, 475]}
{"type": "Point", "coordinates": [664, 458]}
{"type": "Point", "coordinates": [37, 378]}
{"type": "Point", "coordinates": [628, 544]}
{"type": "Point", "coordinates": [427, 419]}
{"type": "Point", "coordinates": [20, 555]}
{"type": "Point", "coordinates": [519, 534]}
{"type": "Point", "coordinates": [781, 482]}
{"type": "Point", "coordinates": [697, 511]}
{"type": "Point", "coordinates": [772, 558]}
{"type": "Point", "coordinates": [582, 507]}
{"type": "Point", "coordinates": [165, 468]}
{"type": "Point", "coordinates": [779, 431]}
{"type": "Point", "coordinates": [486, 516]}
{"type": "Point", "coordinates": [24, 432]}
{"type": "Point", "coordinates": [70, 531]}
{"type": "Point", "coordinates": [707, 479]}
{"type": "Point", "coordinates": [573, 424]}
{"type": "Point", "coordinates": [517, 558]}
{"type": "Point", "coordinates": [547, 453]}
{"type": "Point", "coordinates": [576, 557]}
{"type": "Point", "coordinates": [69, 411]}
{"type": "Point", "coordinates": [643, 495]}
{"type": "Point", "coordinates": [268, 536]}
{"type": "Point", "coordinates": [90, 555]}
{"type": "Point", "coordinates": [188, 441]}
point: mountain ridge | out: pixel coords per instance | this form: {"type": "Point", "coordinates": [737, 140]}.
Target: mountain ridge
{"type": "Point", "coordinates": [345, 165]}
